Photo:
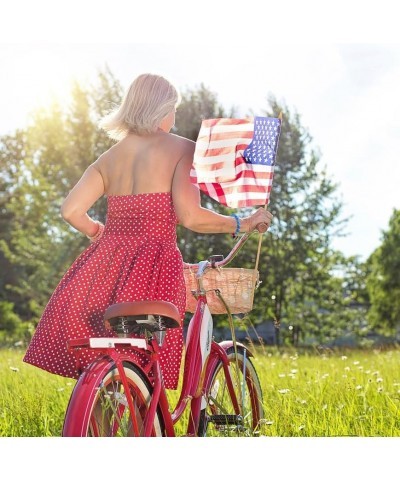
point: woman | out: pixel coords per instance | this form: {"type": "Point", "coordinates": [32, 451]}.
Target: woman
{"type": "Point", "coordinates": [145, 177]}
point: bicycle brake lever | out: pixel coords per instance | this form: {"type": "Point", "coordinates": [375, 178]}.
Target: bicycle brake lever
{"type": "Point", "coordinates": [215, 258]}
{"type": "Point", "coordinates": [202, 266]}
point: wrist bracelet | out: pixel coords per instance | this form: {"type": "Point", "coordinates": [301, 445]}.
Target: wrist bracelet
{"type": "Point", "coordinates": [235, 234]}
{"type": "Point", "coordinates": [98, 234]}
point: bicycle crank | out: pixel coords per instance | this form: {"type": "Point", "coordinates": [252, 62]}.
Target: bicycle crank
{"type": "Point", "coordinates": [226, 420]}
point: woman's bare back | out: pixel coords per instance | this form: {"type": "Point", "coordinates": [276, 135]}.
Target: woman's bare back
{"type": "Point", "coordinates": [142, 164]}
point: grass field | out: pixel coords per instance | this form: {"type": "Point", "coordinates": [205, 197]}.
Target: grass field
{"type": "Point", "coordinates": [329, 394]}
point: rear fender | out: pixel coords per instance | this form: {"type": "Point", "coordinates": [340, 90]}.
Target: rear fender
{"type": "Point", "coordinates": [78, 414]}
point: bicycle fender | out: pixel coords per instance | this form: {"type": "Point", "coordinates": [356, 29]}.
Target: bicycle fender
{"type": "Point", "coordinates": [218, 352]}
{"type": "Point", "coordinates": [77, 415]}
{"type": "Point", "coordinates": [226, 344]}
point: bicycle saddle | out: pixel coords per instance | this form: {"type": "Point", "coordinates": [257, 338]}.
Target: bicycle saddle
{"type": "Point", "coordinates": [134, 317]}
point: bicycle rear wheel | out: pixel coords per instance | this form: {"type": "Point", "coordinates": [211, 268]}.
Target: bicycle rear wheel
{"type": "Point", "coordinates": [108, 413]}
{"type": "Point", "coordinates": [219, 417]}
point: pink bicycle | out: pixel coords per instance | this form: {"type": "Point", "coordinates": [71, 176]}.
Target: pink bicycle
{"type": "Point", "coordinates": [115, 396]}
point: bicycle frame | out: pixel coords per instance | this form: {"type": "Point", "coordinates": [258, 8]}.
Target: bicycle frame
{"type": "Point", "coordinates": [202, 354]}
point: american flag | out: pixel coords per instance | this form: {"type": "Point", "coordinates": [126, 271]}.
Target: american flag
{"type": "Point", "coordinates": [234, 159]}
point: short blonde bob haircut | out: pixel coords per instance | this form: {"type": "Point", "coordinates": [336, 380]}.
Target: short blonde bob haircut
{"type": "Point", "coordinates": [149, 99]}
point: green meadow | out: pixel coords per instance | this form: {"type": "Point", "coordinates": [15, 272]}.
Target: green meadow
{"type": "Point", "coordinates": [352, 393]}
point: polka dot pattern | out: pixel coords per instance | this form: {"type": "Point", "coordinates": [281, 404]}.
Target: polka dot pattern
{"type": "Point", "coordinates": [137, 258]}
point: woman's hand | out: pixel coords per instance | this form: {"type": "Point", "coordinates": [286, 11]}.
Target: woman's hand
{"type": "Point", "coordinates": [260, 220]}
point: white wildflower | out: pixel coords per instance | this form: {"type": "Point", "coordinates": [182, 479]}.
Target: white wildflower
{"type": "Point", "coordinates": [263, 421]}
{"type": "Point", "coordinates": [284, 390]}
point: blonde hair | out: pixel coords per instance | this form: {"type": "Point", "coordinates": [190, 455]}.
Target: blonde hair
{"type": "Point", "coordinates": [149, 99]}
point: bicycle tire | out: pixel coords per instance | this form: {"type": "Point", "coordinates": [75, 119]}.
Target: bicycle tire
{"type": "Point", "coordinates": [218, 418]}
{"type": "Point", "coordinates": [106, 406]}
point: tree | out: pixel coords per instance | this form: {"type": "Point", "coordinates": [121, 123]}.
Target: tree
{"type": "Point", "coordinates": [297, 260]}
{"type": "Point", "coordinates": [383, 282]}
{"type": "Point", "coordinates": [52, 154]}
{"type": "Point", "coordinates": [11, 161]}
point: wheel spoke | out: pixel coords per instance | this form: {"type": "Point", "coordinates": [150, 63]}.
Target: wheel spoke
{"type": "Point", "coordinates": [220, 418]}
{"type": "Point", "coordinates": [111, 415]}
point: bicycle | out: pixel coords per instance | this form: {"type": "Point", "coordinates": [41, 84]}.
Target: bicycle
{"type": "Point", "coordinates": [115, 396]}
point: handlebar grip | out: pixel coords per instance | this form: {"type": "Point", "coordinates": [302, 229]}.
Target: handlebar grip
{"type": "Point", "coordinates": [262, 227]}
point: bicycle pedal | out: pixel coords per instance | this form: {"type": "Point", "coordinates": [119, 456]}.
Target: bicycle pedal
{"type": "Point", "coordinates": [226, 419]}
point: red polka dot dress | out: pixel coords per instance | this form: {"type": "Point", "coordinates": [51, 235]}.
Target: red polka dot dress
{"type": "Point", "coordinates": [137, 258]}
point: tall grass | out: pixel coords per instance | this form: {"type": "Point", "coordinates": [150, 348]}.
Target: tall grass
{"type": "Point", "coordinates": [356, 393]}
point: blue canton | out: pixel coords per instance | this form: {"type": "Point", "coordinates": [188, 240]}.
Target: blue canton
{"type": "Point", "coordinates": [263, 147]}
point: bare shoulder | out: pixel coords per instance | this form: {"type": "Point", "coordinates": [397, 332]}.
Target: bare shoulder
{"type": "Point", "coordinates": [183, 145]}
{"type": "Point", "coordinates": [105, 158]}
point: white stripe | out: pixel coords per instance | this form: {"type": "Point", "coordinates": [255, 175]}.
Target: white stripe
{"type": "Point", "coordinates": [111, 342]}
{"type": "Point", "coordinates": [228, 158]}
{"type": "Point", "coordinates": [231, 197]}
{"type": "Point", "coordinates": [229, 142]}
{"type": "Point", "coordinates": [218, 176]}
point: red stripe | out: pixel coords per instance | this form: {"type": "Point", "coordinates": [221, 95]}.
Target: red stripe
{"type": "Point", "coordinates": [220, 193]}
{"type": "Point", "coordinates": [220, 136]}
{"type": "Point", "coordinates": [210, 122]}
{"type": "Point", "coordinates": [229, 135]}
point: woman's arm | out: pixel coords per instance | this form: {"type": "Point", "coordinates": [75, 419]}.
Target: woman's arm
{"type": "Point", "coordinates": [84, 194]}
{"type": "Point", "coordinates": [192, 215]}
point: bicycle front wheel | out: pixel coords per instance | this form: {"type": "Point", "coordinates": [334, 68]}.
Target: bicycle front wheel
{"type": "Point", "coordinates": [219, 418]}
{"type": "Point", "coordinates": [107, 408]}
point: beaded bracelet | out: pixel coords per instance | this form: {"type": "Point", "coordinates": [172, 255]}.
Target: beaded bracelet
{"type": "Point", "coordinates": [98, 234]}
{"type": "Point", "coordinates": [234, 235]}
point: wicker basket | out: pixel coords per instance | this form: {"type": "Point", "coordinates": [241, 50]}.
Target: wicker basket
{"type": "Point", "coordinates": [236, 285]}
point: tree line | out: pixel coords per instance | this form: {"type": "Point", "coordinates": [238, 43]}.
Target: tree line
{"type": "Point", "coordinates": [305, 283]}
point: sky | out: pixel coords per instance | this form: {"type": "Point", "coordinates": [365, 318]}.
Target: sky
{"type": "Point", "coordinates": [344, 88]}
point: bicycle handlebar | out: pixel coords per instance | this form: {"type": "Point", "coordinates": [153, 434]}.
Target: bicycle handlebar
{"type": "Point", "coordinates": [261, 227]}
